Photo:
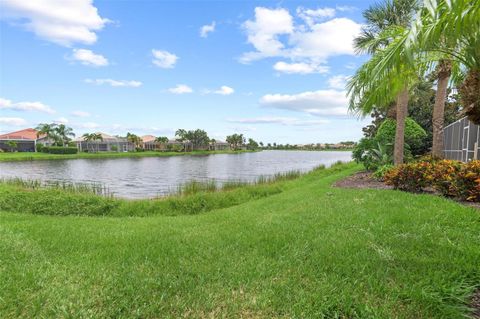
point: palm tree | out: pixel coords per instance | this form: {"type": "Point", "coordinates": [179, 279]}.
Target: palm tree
{"type": "Point", "coordinates": [49, 130]}
{"type": "Point", "coordinates": [452, 29]}
{"type": "Point", "coordinates": [64, 133]}
{"type": "Point", "coordinates": [92, 137]}
{"type": "Point", "coordinates": [163, 140]}
{"type": "Point", "coordinates": [134, 139]}
{"type": "Point", "coordinates": [376, 85]}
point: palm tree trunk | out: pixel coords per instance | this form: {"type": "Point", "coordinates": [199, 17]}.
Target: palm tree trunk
{"type": "Point", "coordinates": [439, 108]}
{"type": "Point", "coordinates": [402, 108]}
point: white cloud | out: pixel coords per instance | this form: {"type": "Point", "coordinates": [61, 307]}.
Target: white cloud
{"type": "Point", "coordinates": [307, 41]}
{"type": "Point", "coordinates": [290, 121]}
{"type": "Point", "coordinates": [12, 121]}
{"type": "Point", "coordinates": [180, 89]}
{"type": "Point", "coordinates": [206, 29]}
{"type": "Point", "coordinates": [61, 22]}
{"type": "Point", "coordinates": [301, 68]}
{"type": "Point", "coordinates": [87, 57]}
{"type": "Point", "coordinates": [164, 59]}
{"type": "Point", "coordinates": [25, 106]}
{"type": "Point", "coordinates": [61, 120]}
{"type": "Point", "coordinates": [224, 90]}
{"type": "Point", "coordinates": [312, 16]}
{"type": "Point", "coordinates": [264, 31]}
{"type": "Point", "coordinates": [321, 102]}
{"type": "Point", "coordinates": [338, 81]}
{"type": "Point", "coordinates": [80, 114]}
{"type": "Point", "coordinates": [114, 83]}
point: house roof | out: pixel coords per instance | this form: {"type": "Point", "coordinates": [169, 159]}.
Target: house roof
{"type": "Point", "coordinates": [148, 138]}
{"type": "Point", "coordinates": [29, 134]}
{"type": "Point", "coordinates": [105, 138]}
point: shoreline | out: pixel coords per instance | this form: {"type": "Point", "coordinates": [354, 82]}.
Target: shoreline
{"type": "Point", "coordinates": [20, 156]}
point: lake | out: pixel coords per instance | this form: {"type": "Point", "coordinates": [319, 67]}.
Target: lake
{"type": "Point", "coordinates": [149, 177]}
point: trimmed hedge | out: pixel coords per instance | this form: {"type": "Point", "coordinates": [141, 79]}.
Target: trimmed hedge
{"type": "Point", "coordinates": [59, 150]}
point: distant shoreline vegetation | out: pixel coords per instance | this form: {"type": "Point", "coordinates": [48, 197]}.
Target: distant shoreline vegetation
{"type": "Point", "coordinates": [25, 156]}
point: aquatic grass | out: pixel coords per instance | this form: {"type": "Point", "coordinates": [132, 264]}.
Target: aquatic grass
{"type": "Point", "coordinates": [87, 188]}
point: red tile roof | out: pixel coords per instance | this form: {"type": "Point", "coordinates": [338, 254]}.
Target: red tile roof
{"type": "Point", "coordinates": [26, 134]}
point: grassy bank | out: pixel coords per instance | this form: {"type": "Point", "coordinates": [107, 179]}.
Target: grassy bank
{"type": "Point", "coordinates": [27, 156]}
{"type": "Point", "coordinates": [305, 251]}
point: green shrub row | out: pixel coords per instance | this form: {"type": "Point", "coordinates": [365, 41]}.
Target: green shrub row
{"type": "Point", "coordinates": [57, 150]}
{"type": "Point", "coordinates": [450, 178]}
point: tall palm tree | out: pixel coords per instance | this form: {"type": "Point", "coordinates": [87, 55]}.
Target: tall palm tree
{"type": "Point", "coordinates": [386, 22]}
{"type": "Point", "coordinates": [64, 133]}
{"type": "Point", "coordinates": [49, 130]}
{"type": "Point", "coordinates": [452, 28]}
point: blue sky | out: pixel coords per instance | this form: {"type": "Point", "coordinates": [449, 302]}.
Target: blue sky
{"type": "Point", "coordinates": [273, 70]}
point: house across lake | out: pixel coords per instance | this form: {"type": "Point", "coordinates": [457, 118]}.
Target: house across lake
{"type": "Point", "coordinates": [24, 140]}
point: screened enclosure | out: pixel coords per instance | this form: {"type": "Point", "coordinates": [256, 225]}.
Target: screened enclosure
{"type": "Point", "coordinates": [461, 140]}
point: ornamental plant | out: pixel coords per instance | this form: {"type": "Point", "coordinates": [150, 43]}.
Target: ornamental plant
{"type": "Point", "coordinates": [467, 182]}
{"type": "Point", "coordinates": [443, 175]}
{"type": "Point", "coordinates": [411, 177]}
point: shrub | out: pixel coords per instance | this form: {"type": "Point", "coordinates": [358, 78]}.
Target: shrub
{"type": "Point", "coordinates": [443, 176]}
{"type": "Point", "coordinates": [411, 177]}
{"type": "Point", "coordinates": [40, 147]}
{"type": "Point", "coordinates": [467, 183]}
{"type": "Point", "coordinates": [382, 171]}
{"type": "Point", "coordinates": [59, 150]}
{"type": "Point", "coordinates": [415, 135]}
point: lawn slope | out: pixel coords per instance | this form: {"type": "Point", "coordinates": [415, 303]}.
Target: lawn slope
{"type": "Point", "coordinates": [309, 251]}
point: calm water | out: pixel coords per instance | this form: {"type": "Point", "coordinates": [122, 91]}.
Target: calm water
{"type": "Point", "coordinates": [154, 176]}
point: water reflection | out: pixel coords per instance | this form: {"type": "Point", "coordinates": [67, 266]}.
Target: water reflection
{"type": "Point", "coordinates": [154, 176]}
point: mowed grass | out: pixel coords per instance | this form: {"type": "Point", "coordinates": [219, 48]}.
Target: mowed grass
{"type": "Point", "coordinates": [309, 251]}
{"type": "Point", "coordinates": [27, 156]}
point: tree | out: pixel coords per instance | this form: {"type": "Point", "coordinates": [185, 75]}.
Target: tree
{"type": "Point", "coordinates": [376, 84]}
{"type": "Point", "coordinates": [162, 140]}
{"type": "Point", "coordinates": [12, 145]}
{"type": "Point", "coordinates": [198, 138]}
{"type": "Point", "coordinates": [236, 141]}
{"type": "Point", "coordinates": [63, 134]}
{"type": "Point", "coordinates": [92, 137]}
{"type": "Point", "coordinates": [252, 144]}
{"type": "Point", "coordinates": [49, 130]}
{"type": "Point", "coordinates": [134, 139]}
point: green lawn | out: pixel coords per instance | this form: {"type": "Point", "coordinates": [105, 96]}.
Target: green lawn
{"type": "Point", "coordinates": [28, 156]}
{"type": "Point", "coordinates": [305, 251]}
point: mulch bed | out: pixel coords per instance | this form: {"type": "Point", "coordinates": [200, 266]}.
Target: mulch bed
{"type": "Point", "coordinates": [361, 180]}
{"type": "Point", "coordinates": [365, 180]}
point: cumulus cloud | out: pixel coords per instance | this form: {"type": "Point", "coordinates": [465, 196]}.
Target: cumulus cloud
{"type": "Point", "coordinates": [312, 16]}
{"type": "Point", "coordinates": [289, 121]}
{"type": "Point", "coordinates": [61, 22]}
{"type": "Point", "coordinates": [164, 59]}
{"type": "Point", "coordinates": [180, 89]}
{"type": "Point", "coordinates": [12, 121]}
{"type": "Point", "coordinates": [307, 41]}
{"type": "Point", "coordinates": [80, 114]}
{"type": "Point", "coordinates": [338, 82]}
{"type": "Point", "coordinates": [263, 32]}
{"type": "Point", "coordinates": [88, 57]}
{"type": "Point", "coordinates": [300, 68]}
{"type": "Point", "coordinates": [224, 90]}
{"type": "Point", "coordinates": [206, 29]}
{"type": "Point", "coordinates": [25, 106]}
{"type": "Point", "coordinates": [114, 83]}
{"type": "Point", "coordinates": [320, 103]}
